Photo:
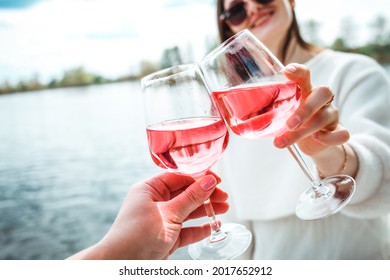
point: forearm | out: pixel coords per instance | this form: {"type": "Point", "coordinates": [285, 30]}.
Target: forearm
{"type": "Point", "coordinates": [103, 251]}
{"type": "Point", "coordinates": [91, 253]}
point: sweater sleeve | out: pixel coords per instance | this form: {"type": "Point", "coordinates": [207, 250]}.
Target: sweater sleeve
{"type": "Point", "coordinates": [363, 98]}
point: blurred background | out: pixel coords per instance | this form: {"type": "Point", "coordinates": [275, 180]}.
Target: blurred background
{"type": "Point", "coordinates": [72, 139]}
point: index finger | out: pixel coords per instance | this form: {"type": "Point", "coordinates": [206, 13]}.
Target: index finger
{"type": "Point", "coordinates": [164, 184]}
{"type": "Point", "coordinates": [172, 181]}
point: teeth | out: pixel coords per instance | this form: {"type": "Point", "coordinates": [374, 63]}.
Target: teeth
{"type": "Point", "coordinates": [262, 19]}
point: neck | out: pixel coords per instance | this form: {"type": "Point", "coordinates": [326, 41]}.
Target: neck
{"type": "Point", "coordinates": [298, 54]}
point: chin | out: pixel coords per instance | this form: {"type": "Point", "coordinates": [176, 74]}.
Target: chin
{"type": "Point", "coordinates": [261, 34]}
{"type": "Point", "coordinates": [269, 41]}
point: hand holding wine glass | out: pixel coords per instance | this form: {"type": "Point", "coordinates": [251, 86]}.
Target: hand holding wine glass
{"type": "Point", "coordinates": [186, 135]}
{"type": "Point", "coordinates": [256, 100]}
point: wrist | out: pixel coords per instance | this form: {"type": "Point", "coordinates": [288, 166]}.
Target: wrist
{"type": "Point", "coordinates": [343, 166]}
{"type": "Point", "coordinates": [115, 248]}
{"type": "Point", "coordinates": [93, 252]}
{"type": "Point", "coordinates": [337, 160]}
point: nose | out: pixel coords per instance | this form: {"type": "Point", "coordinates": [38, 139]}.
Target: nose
{"type": "Point", "coordinates": [251, 7]}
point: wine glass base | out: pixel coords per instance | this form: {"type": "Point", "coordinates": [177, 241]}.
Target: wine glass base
{"type": "Point", "coordinates": [236, 242]}
{"type": "Point", "coordinates": [333, 194]}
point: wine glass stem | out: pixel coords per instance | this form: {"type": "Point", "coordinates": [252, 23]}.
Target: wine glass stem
{"type": "Point", "coordinates": [216, 233]}
{"type": "Point", "coordinates": [315, 182]}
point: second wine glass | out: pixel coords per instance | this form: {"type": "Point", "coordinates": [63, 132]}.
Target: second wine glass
{"type": "Point", "coordinates": [187, 135]}
{"type": "Point", "coordinates": [256, 100]}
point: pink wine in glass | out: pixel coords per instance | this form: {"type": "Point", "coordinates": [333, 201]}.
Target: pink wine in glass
{"type": "Point", "coordinates": [189, 146]}
{"type": "Point", "coordinates": [258, 110]}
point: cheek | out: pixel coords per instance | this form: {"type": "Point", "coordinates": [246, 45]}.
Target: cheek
{"type": "Point", "coordinates": [287, 19]}
{"type": "Point", "coordinates": [238, 28]}
{"type": "Point", "coordinates": [282, 26]}
{"type": "Point", "coordinates": [275, 30]}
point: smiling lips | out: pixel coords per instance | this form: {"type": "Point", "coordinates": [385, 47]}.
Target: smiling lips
{"type": "Point", "coordinates": [262, 17]}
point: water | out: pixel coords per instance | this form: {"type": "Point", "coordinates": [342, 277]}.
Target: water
{"type": "Point", "coordinates": [67, 159]}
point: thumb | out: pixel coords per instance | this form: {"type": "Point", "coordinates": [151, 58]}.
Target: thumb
{"type": "Point", "coordinates": [193, 196]}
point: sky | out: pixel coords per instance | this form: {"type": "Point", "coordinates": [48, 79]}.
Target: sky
{"type": "Point", "coordinates": [44, 38]}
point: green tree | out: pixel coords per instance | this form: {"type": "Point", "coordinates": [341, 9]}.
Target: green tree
{"type": "Point", "coordinates": [311, 30]}
{"type": "Point", "coordinates": [380, 31]}
{"type": "Point", "coordinates": [6, 87]}
{"type": "Point", "coordinates": [53, 83]}
{"type": "Point", "coordinates": [170, 57]}
{"type": "Point", "coordinates": [77, 76]}
{"type": "Point", "coordinates": [348, 31]}
{"type": "Point", "coordinates": [147, 67]}
{"type": "Point", "coordinates": [339, 44]}
{"type": "Point", "coordinates": [21, 86]}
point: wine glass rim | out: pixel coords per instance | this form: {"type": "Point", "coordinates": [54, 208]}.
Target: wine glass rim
{"type": "Point", "coordinates": [229, 41]}
{"type": "Point", "coordinates": [168, 72]}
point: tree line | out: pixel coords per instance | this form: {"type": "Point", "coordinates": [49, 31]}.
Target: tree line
{"type": "Point", "coordinates": [377, 47]}
{"type": "Point", "coordinates": [79, 76]}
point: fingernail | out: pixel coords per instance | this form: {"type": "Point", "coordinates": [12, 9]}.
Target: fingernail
{"type": "Point", "coordinates": [280, 142]}
{"type": "Point", "coordinates": [208, 183]}
{"type": "Point", "coordinates": [219, 180]}
{"type": "Point", "coordinates": [294, 123]}
{"type": "Point", "coordinates": [290, 68]}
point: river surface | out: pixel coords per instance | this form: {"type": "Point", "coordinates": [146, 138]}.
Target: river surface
{"type": "Point", "coordinates": [67, 159]}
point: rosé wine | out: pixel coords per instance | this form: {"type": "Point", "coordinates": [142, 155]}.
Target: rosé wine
{"type": "Point", "coordinates": [189, 146]}
{"type": "Point", "coordinates": [258, 111]}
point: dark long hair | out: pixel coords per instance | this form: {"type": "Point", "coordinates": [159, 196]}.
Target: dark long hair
{"type": "Point", "coordinates": [225, 32]}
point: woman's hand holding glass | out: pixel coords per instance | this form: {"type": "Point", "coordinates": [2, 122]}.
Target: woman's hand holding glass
{"type": "Point", "coordinates": [259, 97]}
{"type": "Point", "coordinates": [315, 126]}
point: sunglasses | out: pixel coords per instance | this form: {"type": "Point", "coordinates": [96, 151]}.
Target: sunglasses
{"type": "Point", "coordinates": [237, 13]}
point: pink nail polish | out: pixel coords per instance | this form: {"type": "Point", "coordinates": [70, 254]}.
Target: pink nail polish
{"type": "Point", "coordinates": [281, 142]}
{"type": "Point", "coordinates": [208, 183]}
{"type": "Point", "coordinates": [290, 68]}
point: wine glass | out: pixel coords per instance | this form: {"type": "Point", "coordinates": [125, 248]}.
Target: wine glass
{"type": "Point", "coordinates": [187, 135]}
{"type": "Point", "coordinates": [256, 99]}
